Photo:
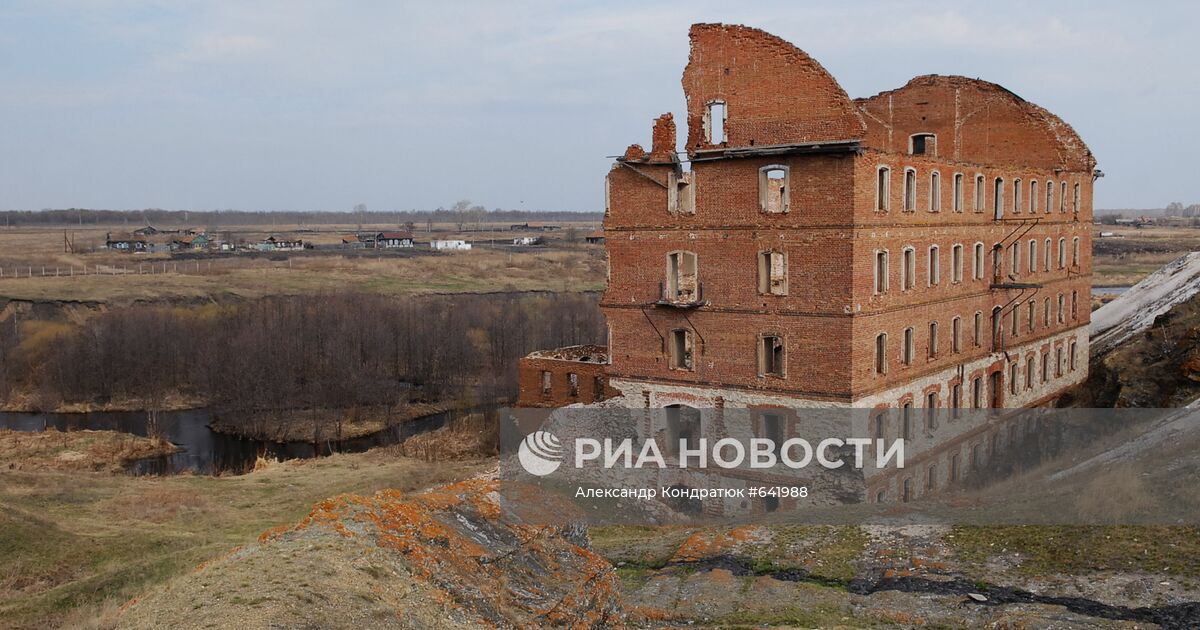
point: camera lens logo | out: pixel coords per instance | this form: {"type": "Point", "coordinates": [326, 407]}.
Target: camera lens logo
{"type": "Point", "coordinates": [540, 453]}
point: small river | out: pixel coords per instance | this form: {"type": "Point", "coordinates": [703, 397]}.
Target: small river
{"type": "Point", "coordinates": [205, 451]}
{"type": "Point", "coordinates": [1109, 290]}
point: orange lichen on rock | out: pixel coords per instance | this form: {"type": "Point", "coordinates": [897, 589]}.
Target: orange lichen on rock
{"type": "Point", "coordinates": [461, 539]}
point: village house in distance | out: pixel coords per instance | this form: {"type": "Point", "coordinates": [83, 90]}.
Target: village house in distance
{"type": "Point", "coordinates": [928, 246]}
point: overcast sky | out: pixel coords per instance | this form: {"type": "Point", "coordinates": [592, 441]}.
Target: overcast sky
{"type": "Point", "coordinates": [314, 104]}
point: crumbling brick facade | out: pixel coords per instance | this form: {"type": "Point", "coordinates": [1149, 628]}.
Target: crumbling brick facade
{"type": "Point", "coordinates": [824, 251]}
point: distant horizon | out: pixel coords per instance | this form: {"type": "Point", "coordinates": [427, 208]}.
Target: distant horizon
{"type": "Point", "coordinates": [302, 104]}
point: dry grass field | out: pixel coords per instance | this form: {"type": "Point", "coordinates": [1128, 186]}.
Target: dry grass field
{"type": "Point", "coordinates": [1131, 254]}
{"type": "Point", "coordinates": [76, 546]}
{"type": "Point", "coordinates": [493, 265]}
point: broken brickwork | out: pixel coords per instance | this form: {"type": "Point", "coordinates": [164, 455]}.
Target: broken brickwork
{"type": "Point", "coordinates": [827, 251]}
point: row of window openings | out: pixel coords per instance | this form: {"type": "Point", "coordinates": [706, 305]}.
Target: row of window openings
{"type": "Point", "coordinates": [908, 266]}
{"type": "Point", "coordinates": [908, 346]}
{"type": "Point", "coordinates": [979, 398]}
{"type": "Point", "coordinates": [772, 190]}
{"type": "Point", "coordinates": [682, 283]}
{"type": "Point", "coordinates": [907, 491]}
{"type": "Point", "coordinates": [772, 354]}
{"type": "Point", "coordinates": [572, 385]}
{"type": "Point", "coordinates": [883, 191]}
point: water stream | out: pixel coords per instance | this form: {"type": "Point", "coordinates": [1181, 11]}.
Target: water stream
{"type": "Point", "coordinates": [205, 451]}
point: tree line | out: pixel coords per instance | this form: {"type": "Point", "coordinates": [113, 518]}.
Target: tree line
{"type": "Point", "coordinates": [327, 351]}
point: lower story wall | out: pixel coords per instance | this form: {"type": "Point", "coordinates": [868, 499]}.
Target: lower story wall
{"type": "Point", "coordinates": [1032, 388]}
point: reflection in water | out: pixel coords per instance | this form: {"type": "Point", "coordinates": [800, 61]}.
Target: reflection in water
{"type": "Point", "coordinates": [1056, 465]}
{"type": "Point", "coordinates": [204, 450]}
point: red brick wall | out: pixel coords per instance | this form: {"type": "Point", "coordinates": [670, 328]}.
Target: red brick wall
{"type": "Point", "coordinates": [776, 93]}
{"type": "Point", "coordinates": [529, 382]}
{"type": "Point", "coordinates": [975, 121]}
{"type": "Point", "coordinates": [830, 317]}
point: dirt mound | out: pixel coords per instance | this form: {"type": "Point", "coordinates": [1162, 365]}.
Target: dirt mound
{"type": "Point", "coordinates": [457, 556]}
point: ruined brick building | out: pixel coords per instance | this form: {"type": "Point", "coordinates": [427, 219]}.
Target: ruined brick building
{"type": "Point", "coordinates": [928, 246]}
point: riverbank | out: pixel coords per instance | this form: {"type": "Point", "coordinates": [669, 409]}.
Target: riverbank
{"type": "Point", "coordinates": [75, 451]}
{"type": "Point", "coordinates": [321, 425]}
{"type": "Point", "coordinates": [27, 403]}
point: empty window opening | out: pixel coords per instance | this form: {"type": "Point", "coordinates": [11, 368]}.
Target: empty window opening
{"type": "Point", "coordinates": [1062, 198]}
{"type": "Point", "coordinates": [1075, 200]}
{"type": "Point", "coordinates": [1032, 314]}
{"type": "Point", "coordinates": [1046, 254]}
{"type": "Point", "coordinates": [681, 193]}
{"type": "Point", "coordinates": [933, 339]}
{"type": "Point", "coordinates": [1075, 252]}
{"type": "Point", "coordinates": [1029, 372]}
{"type": "Point", "coordinates": [1062, 253]}
{"type": "Point", "coordinates": [1015, 250]}
{"type": "Point", "coordinates": [547, 382]}
{"type": "Point", "coordinates": [954, 467]}
{"type": "Point", "coordinates": [1061, 310]}
{"type": "Point", "coordinates": [923, 144]}
{"type": "Point", "coordinates": [1033, 260]}
{"type": "Point", "coordinates": [714, 122]}
{"type": "Point", "coordinates": [1074, 304]}
{"type": "Point", "coordinates": [681, 277]}
{"type": "Point", "coordinates": [907, 491]}
{"type": "Point", "coordinates": [931, 478]}
{"type": "Point", "coordinates": [1013, 382]}
{"type": "Point", "coordinates": [956, 264]}
{"type": "Point", "coordinates": [773, 188]}
{"type": "Point", "coordinates": [880, 428]}
{"type": "Point", "coordinates": [935, 265]}
{"type": "Point", "coordinates": [955, 399]}
{"type": "Point", "coordinates": [1017, 196]}
{"type": "Point", "coordinates": [1071, 356]}
{"type": "Point", "coordinates": [597, 388]}
{"type": "Point", "coordinates": [1046, 312]}
{"type": "Point", "coordinates": [1016, 321]}
{"type": "Point", "coordinates": [684, 428]}
{"type": "Point", "coordinates": [771, 356]}
{"type": "Point", "coordinates": [958, 192]}
{"type": "Point", "coordinates": [910, 190]}
{"type": "Point", "coordinates": [1045, 366]}
{"type": "Point", "coordinates": [881, 353]}
{"type": "Point", "coordinates": [573, 380]}
{"type": "Point", "coordinates": [909, 347]}
{"type": "Point", "coordinates": [772, 273]}
{"type": "Point", "coordinates": [1058, 360]}
{"type": "Point", "coordinates": [935, 192]}
{"type": "Point", "coordinates": [908, 269]}
{"type": "Point", "coordinates": [883, 188]}
{"type": "Point", "coordinates": [1033, 195]}
{"type": "Point", "coordinates": [1049, 197]}
{"type": "Point", "coordinates": [906, 431]}
{"type": "Point", "coordinates": [979, 193]}
{"type": "Point", "coordinates": [998, 199]}
{"type": "Point", "coordinates": [996, 384]}
{"type": "Point", "coordinates": [681, 349]}
{"type": "Point", "coordinates": [881, 272]}
{"type": "Point", "coordinates": [997, 328]}
{"type": "Point", "coordinates": [977, 262]}
{"type": "Point", "coordinates": [997, 262]}
{"type": "Point", "coordinates": [773, 430]}
{"type": "Point", "coordinates": [977, 392]}
{"type": "Point", "coordinates": [977, 332]}
{"type": "Point", "coordinates": [956, 334]}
